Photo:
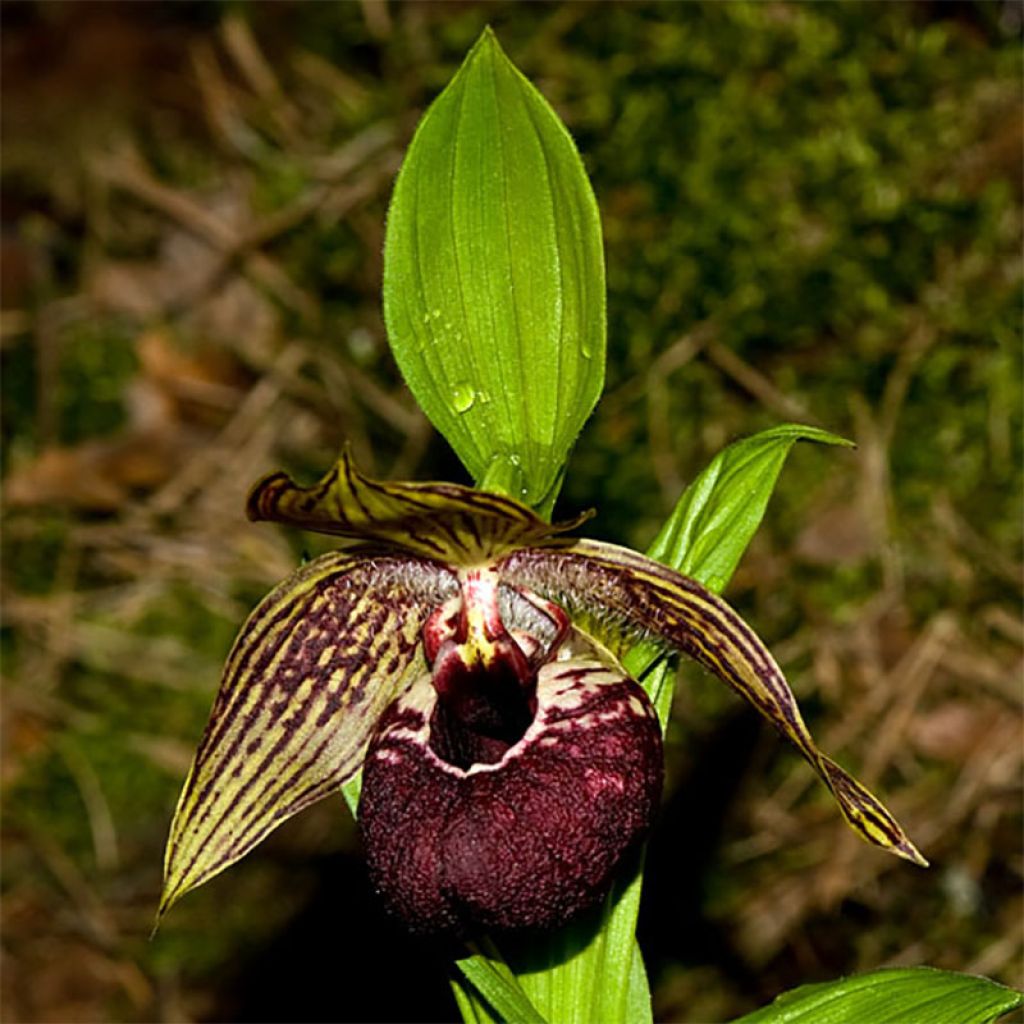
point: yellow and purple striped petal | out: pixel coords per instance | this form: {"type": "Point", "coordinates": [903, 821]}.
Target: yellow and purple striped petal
{"type": "Point", "coordinates": [310, 673]}
{"type": "Point", "coordinates": [446, 522]}
{"type": "Point", "coordinates": [643, 594]}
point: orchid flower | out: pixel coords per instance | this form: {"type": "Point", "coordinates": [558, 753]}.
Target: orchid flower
{"type": "Point", "coordinates": [464, 654]}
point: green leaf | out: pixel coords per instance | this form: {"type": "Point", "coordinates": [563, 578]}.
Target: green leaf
{"type": "Point", "coordinates": [916, 995]}
{"type": "Point", "coordinates": [473, 1008]}
{"type": "Point", "coordinates": [592, 969]}
{"type": "Point", "coordinates": [494, 291]}
{"type": "Point", "coordinates": [492, 978]}
{"type": "Point", "coordinates": [717, 515]}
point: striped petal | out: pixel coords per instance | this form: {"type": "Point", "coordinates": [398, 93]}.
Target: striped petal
{"type": "Point", "coordinates": [594, 577]}
{"type": "Point", "coordinates": [446, 522]}
{"type": "Point", "coordinates": [309, 675]}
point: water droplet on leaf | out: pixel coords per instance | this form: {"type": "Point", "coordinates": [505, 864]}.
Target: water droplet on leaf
{"type": "Point", "coordinates": [463, 397]}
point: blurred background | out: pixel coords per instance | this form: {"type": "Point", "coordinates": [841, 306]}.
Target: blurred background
{"type": "Point", "coordinates": [812, 212]}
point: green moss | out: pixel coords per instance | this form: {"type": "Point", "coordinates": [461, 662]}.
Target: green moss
{"type": "Point", "coordinates": [96, 361]}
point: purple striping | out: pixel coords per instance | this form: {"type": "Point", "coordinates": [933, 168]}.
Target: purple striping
{"type": "Point", "coordinates": [283, 783]}
{"type": "Point", "coordinates": [301, 798]}
{"type": "Point", "coordinates": [407, 647]}
{"type": "Point", "coordinates": [455, 537]}
{"type": "Point", "coordinates": [222, 718]}
{"type": "Point", "coordinates": [578, 674]}
{"type": "Point", "coordinates": [299, 716]}
{"type": "Point", "coordinates": [644, 604]}
{"type": "Point", "coordinates": [426, 541]}
{"type": "Point", "coordinates": [595, 703]}
{"type": "Point", "coordinates": [353, 491]}
{"type": "Point", "coordinates": [300, 713]}
{"type": "Point", "coordinates": [257, 630]}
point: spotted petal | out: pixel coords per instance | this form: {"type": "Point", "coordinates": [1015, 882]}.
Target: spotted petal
{"type": "Point", "coordinates": [646, 595]}
{"type": "Point", "coordinates": [309, 675]}
{"type": "Point", "coordinates": [453, 524]}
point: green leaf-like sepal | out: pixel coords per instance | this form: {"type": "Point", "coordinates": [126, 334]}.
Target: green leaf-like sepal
{"type": "Point", "coordinates": [494, 292]}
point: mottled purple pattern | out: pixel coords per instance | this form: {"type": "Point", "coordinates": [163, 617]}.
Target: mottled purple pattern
{"type": "Point", "coordinates": [527, 843]}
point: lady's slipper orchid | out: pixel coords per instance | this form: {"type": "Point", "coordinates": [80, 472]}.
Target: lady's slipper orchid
{"type": "Point", "coordinates": [509, 762]}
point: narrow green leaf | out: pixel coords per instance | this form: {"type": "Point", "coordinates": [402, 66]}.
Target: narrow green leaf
{"type": "Point", "coordinates": [473, 1008]}
{"type": "Point", "coordinates": [592, 969]}
{"type": "Point", "coordinates": [717, 515]}
{"type": "Point", "coordinates": [494, 277]}
{"type": "Point", "coordinates": [498, 985]}
{"type": "Point", "coordinates": [351, 789]}
{"type": "Point", "coordinates": [916, 995]}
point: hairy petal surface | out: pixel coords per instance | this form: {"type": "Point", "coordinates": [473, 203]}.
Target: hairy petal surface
{"type": "Point", "coordinates": [310, 673]}
{"type": "Point", "coordinates": [649, 596]}
{"type": "Point", "coordinates": [527, 841]}
{"type": "Point", "coordinates": [447, 522]}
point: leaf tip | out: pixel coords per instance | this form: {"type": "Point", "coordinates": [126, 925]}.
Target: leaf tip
{"type": "Point", "coordinates": [908, 851]}
{"type": "Point", "coordinates": [486, 44]}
